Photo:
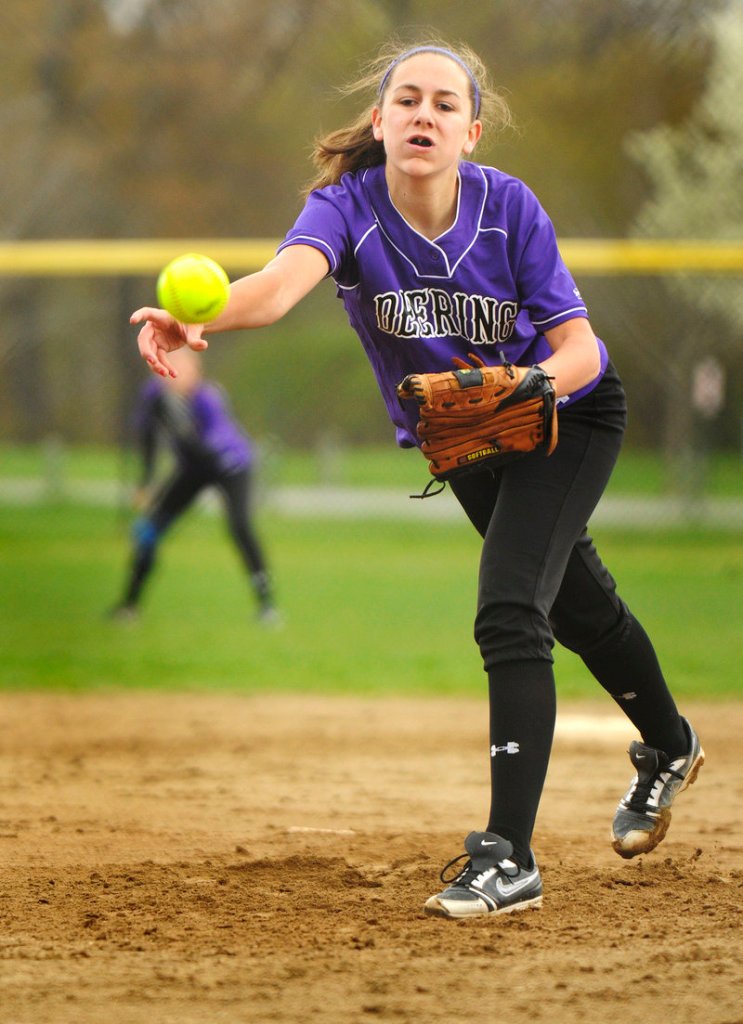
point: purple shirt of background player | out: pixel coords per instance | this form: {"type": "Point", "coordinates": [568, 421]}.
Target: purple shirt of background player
{"type": "Point", "coordinates": [492, 284]}
{"type": "Point", "coordinates": [211, 451]}
{"type": "Point", "coordinates": [198, 426]}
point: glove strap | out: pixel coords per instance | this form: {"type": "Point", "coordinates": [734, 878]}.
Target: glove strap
{"type": "Point", "coordinates": [427, 492]}
{"type": "Point", "coordinates": [469, 378]}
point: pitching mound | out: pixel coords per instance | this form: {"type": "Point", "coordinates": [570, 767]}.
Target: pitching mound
{"type": "Point", "coordinates": [216, 858]}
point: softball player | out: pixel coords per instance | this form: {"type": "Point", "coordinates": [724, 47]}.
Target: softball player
{"type": "Point", "coordinates": [434, 256]}
{"type": "Point", "coordinates": [210, 450]}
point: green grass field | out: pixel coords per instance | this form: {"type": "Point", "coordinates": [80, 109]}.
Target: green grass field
{"type": "Point", "coordinates": [637, 473]}
{"type": "Point", "coordinates": [371, 607]}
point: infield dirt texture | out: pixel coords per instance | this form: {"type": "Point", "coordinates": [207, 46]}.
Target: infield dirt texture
{"type": "Point", "coordinates": [192, 858]}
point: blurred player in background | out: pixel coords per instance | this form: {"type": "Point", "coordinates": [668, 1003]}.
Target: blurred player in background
{"type": "Point", "coordinates": [433, 254]}
{"type": "Point", "coordinates": [210, 450]}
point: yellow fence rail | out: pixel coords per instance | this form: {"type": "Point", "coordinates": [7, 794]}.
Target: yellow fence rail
{"type": "Point", "coordinates": [134, 257]}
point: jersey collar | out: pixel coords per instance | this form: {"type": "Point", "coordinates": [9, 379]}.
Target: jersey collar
{"type": "Point", "coordinates": [441, 257]}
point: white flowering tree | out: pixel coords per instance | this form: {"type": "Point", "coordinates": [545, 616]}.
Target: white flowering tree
{"type": "Point", "coordinates": [696, 171]}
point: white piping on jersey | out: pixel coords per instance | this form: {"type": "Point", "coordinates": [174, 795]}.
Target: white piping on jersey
{"type": "Point", "coordinates": [318, 243]}
{"type": "Point", "coordinates": [352, 287]}
{"type": "Point", "coordinates": [574, 309]}
{"type": "Point", "coordinates": [418, 233]}
{"type": "Point", "coordinates": [456, 215]}
{"type": "Point", "coordinates": [450, 270]}
{"type": "Point", "coordinates": [405, 256]}
{"type": "Point", "coordinates": [361, 241]}
{"type": "Point", "coordinates": [479, 227]}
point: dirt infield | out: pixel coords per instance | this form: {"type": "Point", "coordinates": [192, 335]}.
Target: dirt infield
{"type": "Point", "coordinates": [208, 858]}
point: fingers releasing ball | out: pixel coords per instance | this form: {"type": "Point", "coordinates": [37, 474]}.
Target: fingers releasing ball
{"type": "Point", "coordinates": [193, 288]}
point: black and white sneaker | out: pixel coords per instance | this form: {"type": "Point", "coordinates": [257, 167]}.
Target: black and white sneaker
{"type": "Point", "coordinates": [644, 812]}
{"type": "Point", "coordinates": [489, 883]}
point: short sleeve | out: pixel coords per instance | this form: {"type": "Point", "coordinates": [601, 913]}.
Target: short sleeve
{"type": "Point", "coordinates": [322, 225]}
{"type": "Point", "coordinates": [547, 290]}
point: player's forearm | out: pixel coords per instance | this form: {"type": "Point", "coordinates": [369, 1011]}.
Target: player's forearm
{"type": "Point", "coordinates": [576, 359]}
{"type": "Point", "coordinates": [255, 301]}
{"type": "Point", "coordinates": [263, 298]}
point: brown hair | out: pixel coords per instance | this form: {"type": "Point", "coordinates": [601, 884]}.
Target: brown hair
{"type": "Point", "coordinates": [354, 147]}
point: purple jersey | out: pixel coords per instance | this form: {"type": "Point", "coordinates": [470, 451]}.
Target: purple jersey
{"type": "Point", "coordinates": [491, 284]}
{"type": "Point", "coordinates": [199, 428]}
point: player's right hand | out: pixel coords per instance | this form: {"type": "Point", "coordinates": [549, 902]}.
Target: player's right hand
{"type": "Point", "coordinates": [161, 334]}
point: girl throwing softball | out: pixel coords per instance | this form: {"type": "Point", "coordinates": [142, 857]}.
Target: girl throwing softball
{"type": "Point", "coordinates": [435, 256]}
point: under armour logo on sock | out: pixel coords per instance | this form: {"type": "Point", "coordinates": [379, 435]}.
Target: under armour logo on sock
{"type": "Point", "coordinates": [630, 695]}
{"type": "Point", "coordinates": [509, 748]}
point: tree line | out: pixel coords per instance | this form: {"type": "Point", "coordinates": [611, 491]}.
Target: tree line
{"type": "Point", "coordinates": [196, 118]}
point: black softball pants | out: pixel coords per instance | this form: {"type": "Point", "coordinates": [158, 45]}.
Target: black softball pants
{"type": "Point", "coordinates": [541, 580]}
{"type": "Point", "coordinates": [174, 498]}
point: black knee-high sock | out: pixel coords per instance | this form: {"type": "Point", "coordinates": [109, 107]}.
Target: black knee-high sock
{"type": "Point", "coordinates": [522, 725]}
{"type": "Point", "coordinates": [261, 583]}
{"type": "Point", "coordinates": [143, 562]}
{"type": "Point", "coordinates": [629, 671]}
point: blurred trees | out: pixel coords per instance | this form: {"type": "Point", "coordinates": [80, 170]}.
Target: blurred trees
{"type": "Point", "coordinates": [695, 170]}
{"type": "Point", "coordinates": [168, 118]}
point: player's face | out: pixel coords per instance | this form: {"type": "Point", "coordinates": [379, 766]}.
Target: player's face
{"type": "Point", "coordinates": [425, 118]}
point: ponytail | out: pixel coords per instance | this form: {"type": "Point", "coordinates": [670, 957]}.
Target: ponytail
{"type": "Point", "coordinates": [346, 149]}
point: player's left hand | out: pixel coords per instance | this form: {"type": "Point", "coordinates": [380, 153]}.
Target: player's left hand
{"type": "Point", "coordinates": [161, 334]}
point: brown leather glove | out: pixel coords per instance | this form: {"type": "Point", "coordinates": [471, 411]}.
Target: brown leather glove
{"type": "Point", "coordinates": [480, 412]}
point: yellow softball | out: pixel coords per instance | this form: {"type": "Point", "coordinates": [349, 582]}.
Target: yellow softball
{"type": "Point", "coordinates": [193, 288]}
